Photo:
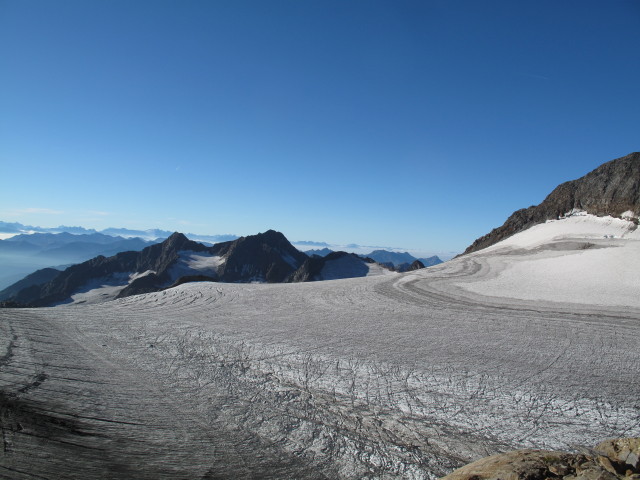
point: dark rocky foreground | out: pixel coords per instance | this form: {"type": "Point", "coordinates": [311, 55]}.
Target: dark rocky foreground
{"type": "Point", "coordinates": [610, 460]}
{"type": "Point", "coordinates": [611, 189]}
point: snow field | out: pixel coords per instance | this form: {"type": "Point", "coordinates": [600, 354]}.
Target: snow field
{"type": "Point", "coordinates": [581, 259]}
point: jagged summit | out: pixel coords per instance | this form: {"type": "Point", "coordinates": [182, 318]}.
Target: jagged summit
{"type": "Point", "coordinates": [176, 238]}
{"type": "Point", "coordinates": [611, 189]}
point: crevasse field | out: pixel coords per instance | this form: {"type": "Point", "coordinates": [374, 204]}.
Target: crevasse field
{"type": "Point", "coordinates": [534, 342]}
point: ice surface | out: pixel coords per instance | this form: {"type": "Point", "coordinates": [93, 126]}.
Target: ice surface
{"type": "Point", "coordinates": [400, 376]}
{"type": "Point", "coordinates": [101, 289]}
{"type": "Point", "coordinates": [105, 288]}
{"type": "Point", "coordinates": [289, 259]}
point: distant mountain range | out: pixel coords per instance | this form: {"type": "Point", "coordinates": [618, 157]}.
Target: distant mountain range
{"type": "Point", "coordinates": [149, 235]}
{"type": "Point", "coordinates": [265, 257]}
{"type": "Point", "coordinates": [338, 265]}
{"type": "Point", "coordinates": [611, 189]}
{"type": "Point", "coordinates": [23, 254]}
{"type": "Point", "coordinates": [321, 252]}
{"type": "Point", "coordinates": [401, 261]}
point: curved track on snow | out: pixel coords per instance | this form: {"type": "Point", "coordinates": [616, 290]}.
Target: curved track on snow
{"type": "Point", "coordinates": [383, 377]}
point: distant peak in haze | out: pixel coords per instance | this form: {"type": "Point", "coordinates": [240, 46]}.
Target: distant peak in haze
{"type": "Point", "coordinates": [401, 259]}
{"type": "Point", "coordinates": [151, 234]}
{"type": "Point", "coordinates": [321, 252]}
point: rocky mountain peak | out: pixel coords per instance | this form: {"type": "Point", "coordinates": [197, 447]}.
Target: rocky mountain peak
{"type": "Point", "coordinates": [175, 241]}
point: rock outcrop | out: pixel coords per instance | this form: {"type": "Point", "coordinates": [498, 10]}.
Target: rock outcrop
{"type": "Point", "coordinates": [610, 460]}
{"type": "Point", "coordinates": [611, 189]}
{"type": "Point", "coordinates": [416, 265]}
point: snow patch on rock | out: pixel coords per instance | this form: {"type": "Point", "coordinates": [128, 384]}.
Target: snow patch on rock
{"type": "Point", "coordinates": [196, 263]}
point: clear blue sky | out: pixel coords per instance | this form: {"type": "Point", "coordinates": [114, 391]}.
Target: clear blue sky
{"type": "Point", "coordinates": [414, 124]}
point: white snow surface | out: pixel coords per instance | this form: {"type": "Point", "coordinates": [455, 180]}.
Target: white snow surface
{"type": "Point", "coordinates": [582, 226]}
{"type": "Point", "coordinates": [580, 259]}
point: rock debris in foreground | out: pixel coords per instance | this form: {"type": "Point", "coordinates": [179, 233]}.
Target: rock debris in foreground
{"type": "Point", "coordinates": [610, 460]}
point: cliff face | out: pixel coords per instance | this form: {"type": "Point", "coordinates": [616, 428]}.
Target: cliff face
{"type": "Point", "coordinates": [611, 189]}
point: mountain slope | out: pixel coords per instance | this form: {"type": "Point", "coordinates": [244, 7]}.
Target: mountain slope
{"type": "Point", "coordinates": [266, 257]}
{"type": "Point", "coordinates": [335, 266]}
{"type": "Point", "coordinates": [23, 254]}
{"type": "Point", "coordinates": [611, 189]}
{"type": "Point", "coordinates": [396, 258]}
{"type": "Point", "coordinates": [38, 277]}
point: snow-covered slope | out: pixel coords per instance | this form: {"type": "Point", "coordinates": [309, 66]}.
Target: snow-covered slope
{"type": "Point", "coordinates": [581, 259]}
{"type": "Point", "coordinates": [575, 225]}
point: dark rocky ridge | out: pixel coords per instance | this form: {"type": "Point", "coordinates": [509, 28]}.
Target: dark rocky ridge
{"type": "Point", "coordinates": [266, 256]}
{"type": "Point", "coordinates": [611, 189]}
{"type": "Point", "coordinates": [415, 265]}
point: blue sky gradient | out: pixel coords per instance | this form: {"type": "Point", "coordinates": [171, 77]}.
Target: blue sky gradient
{"type": "Point", "coordinates": [414, 124]}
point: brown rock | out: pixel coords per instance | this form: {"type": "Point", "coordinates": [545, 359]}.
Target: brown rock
{"type": "Point", "coordinates": [516, 465]}
{"type": "Point", "coordinates": [611, 460]}
{"type": "Point", "coordinates": [622, 451]}
{"type": "Point", "coordinates": [606, 464]}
